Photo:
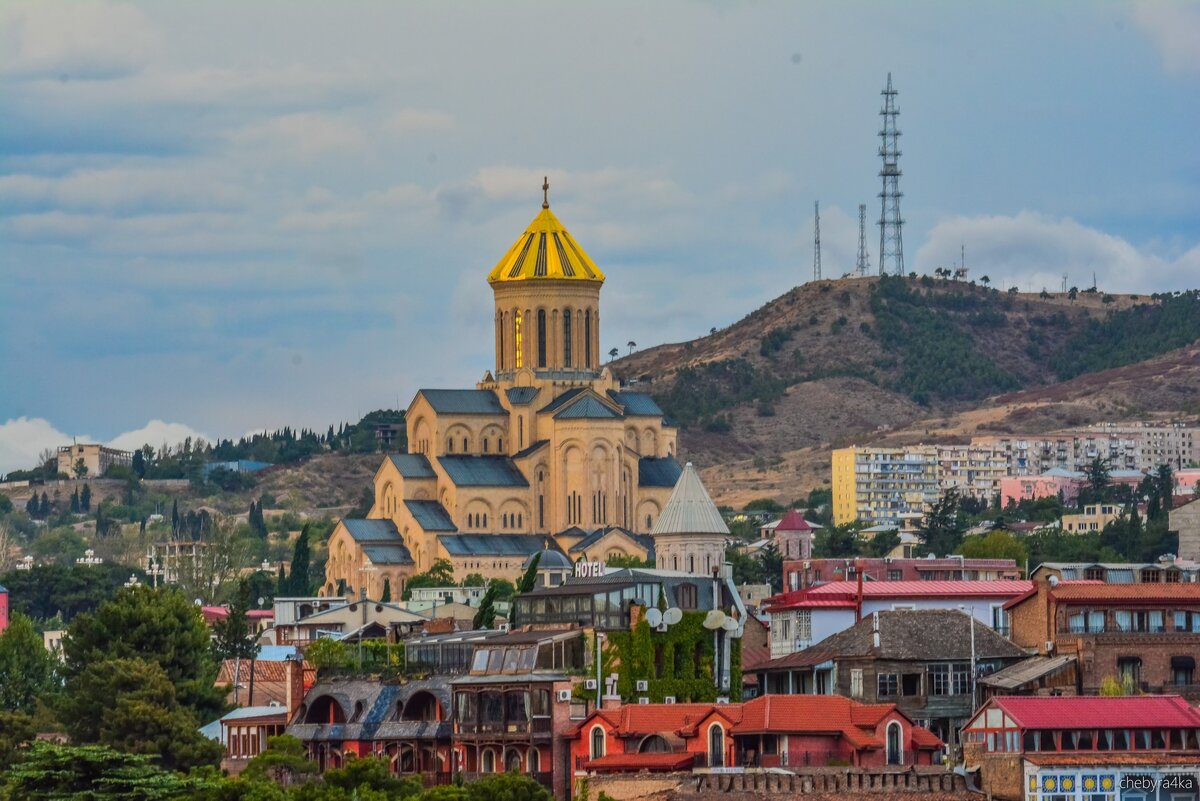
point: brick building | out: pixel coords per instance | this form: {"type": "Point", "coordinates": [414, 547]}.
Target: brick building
{"type": "Point", "coordinates": [1145, 635]}
{"type": "Point", "coordinates": [803, 572]}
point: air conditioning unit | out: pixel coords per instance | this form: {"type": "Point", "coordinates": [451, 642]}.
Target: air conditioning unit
{"type": "Point", "coordinates": [643, 685]}
{"type": "Point", "coordinates": [643, 699]}
{"type": "Point", "coordinates": [722, 699]}
{"type": "Point", "coordinates": [564, 695]}
{"type": "Point", "coordinates": [1049, 647]}
{"type": "Point", "coordinates": [668, 699]}
{"type": "Point", "coordinates": [589, 684]}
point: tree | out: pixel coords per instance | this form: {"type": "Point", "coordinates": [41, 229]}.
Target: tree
{"type": "Point", "coordinates": [159, 625]}
{"type": "Point", "coordinates": [369, 773]}
{"type": "Point", "coordinates": [130, 704]}
{"type": "Point", "coordinates": [474, 580]}
{"type": "Point", "coordinates": [985, 280]}
{"type": "Point", "coordinates": [529, 579]}
{"type": "Point", "coordinates": [44, 507]}
{"type": "Point", "coordinates": [386, 595]}
{"type": "Point", "coordinates": [79, 469]}
{"type": "Point", "coordinates": [283, 762]}
{"type": "Point", "coordinates": [85, 498]}
{"type": "Point", "coordinates": [506, 787]}
{"type": "Point", "coordinates": [994, 545]}
{"type": "Point", "coordinates": [617, 561]}
{"type": "Point", "coordinates": [27, 669]}
{"type": "Point", "coordinates": [882, 544]}
{"type": "Point", "coordinates": [175, 518]}
{"type": "Point", "coordinates": [1098, 481]}
{"type": "Point", "coordinates": [75, 502]}
{"type": "Point", "coordinates": [256, 521]}
{"type": "Point", "coordinates": [47, 591]}
{"type": "Point", "coordinates": [300, 581]}
{"type": "Point", "coordinates": [632, 345]}
{"type": "Point", "coordinates": [612, 354]}
{"type": "Point", "coordinates": [485, 616]}
{"type": "Point", "coordinates": [139, 464]}
{"type": "Point", "coordinates": [232, 637]}
{"type": "Point", "coordinates": [48, 772]}
{"type": "Point", "coordinates": [941, 531]}
{"type": "Point", "coordinates": [836, 542]}
{"type": "Point", "coordinates": [439, 574]}
{"type": "Point", "coordinates": [17, 729]}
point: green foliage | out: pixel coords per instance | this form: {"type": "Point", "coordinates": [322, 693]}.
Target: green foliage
{"type": "Point", "coordinates": [773, 341]}
{"type": "Point", "coordinates": [837, 542]}
{"type": "Point", "coordinates": [941, 532]}
{"type": "Point", "coordinates": [997, 544]}
{"type": "Point", "coordinates": [48, 772]}
{"type": "Point", "coordinates": [684, 652]}
{"type": "Point", "coordinates": [506, 787]}
{"type": "Point", "coordinates": [940, 358]}
{"type": "Point", "coordinates": [367, 773]}
{"type": "Point", "coordinates": [328, 653]}
{"type": "Point", "coordinates": [233, 636]}
{"type": "Point", "coordinates": [161, 626]}
{"type": "Point", "coordinates": [474, 580]}
{"type": "Point", "coordinates": [27, 670]}
{"type": "Point", "coordinates": [386, 595]}
{"type": "Point", "coordinates": [485, 615]}
{"type": "Point", "coordinates": [299, 583]}
{"type": "Point", "coordinates": [17, 729]}
{"type": "Point", "coordinates": [1111, 686]}
{"type": "Point", "coordinates": [618, 561]}
{"type": "Point", "coordinates": [1132, 335]}
{"type": "Point", "coordinates": [283, 762]}
{"type": "Point", "coordinates": [47, 591]}
{"type": "Point", "coordinates": [883, 543]}
{"type": "Point", "coordinates": [439, 574]}
{"type": "Point", "coordinates": [698, 395]}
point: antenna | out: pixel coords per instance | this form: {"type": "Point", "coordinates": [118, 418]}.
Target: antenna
{"type": "Point", "coordinates": [864, 261]}
{"type": "Point", "coordinates": [1064, 289]}
{"type": "Point", "coordinates": [817, 240]}
{"type": "Point", "coordinates": [891, 243]}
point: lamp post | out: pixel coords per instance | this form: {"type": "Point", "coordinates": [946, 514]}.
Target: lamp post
{"type": "Point", "coordinates": [368, 567]}
{"type": "Point", "coordinates": [133, 581]}
{"type": "Point", "coordinates": [89, 558]}
{"type": "Point", "coordinates": [971, 614]}
{"type": "Point", "coordinates": [599, 653]}
{"type": "Point", "coordinates": [26, 563]}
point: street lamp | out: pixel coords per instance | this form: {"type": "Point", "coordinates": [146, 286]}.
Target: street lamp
{"type": "Point", "coordinates": [25, 563]}
{"type": "Point", "coordinates": [89, 558]}
{"type": "Point", "coordinates": [133, 581]}
{"type": "Point", "coordinates": [367, 567]}
{"type": "Point", "coordinates": [599, 653]}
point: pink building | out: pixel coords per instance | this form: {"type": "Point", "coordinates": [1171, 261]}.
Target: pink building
{"type": "Point", "coordinates": [1068, 483]}
{"type": "Point", "coordinates": [794, 536]}
{"type": "Point", "coordinates": [3, 609]}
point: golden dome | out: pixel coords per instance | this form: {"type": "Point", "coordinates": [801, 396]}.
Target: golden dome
{"type": "Point", "coordinates": [545, 251]}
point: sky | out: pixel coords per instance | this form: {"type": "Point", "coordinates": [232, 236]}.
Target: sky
{"type": "Point", "coordinates": [224, 217]}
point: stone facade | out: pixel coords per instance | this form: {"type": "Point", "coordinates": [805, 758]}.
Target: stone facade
{"type": "Point", "coordinates": [1186, 521]}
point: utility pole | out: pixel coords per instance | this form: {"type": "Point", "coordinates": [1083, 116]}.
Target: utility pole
{"type": "Point", "coordinates": [817, 240]}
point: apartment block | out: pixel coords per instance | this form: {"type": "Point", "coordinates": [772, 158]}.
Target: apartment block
{"type": "Point", "coordinates": [886, 486]}
{"type": "Point", "coordinates": [96, 459]}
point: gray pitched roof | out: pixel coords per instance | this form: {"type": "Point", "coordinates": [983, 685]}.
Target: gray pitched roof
{"type": "Point", "coordinates": [590, 539]}
{"type": "Point", "coordinates": [521, 454]}
{"type": "Point", "coordinates": [482, 471]}
{"type": "Point", "coordinates": [521, 395]}
{"type": "Point", "coordinates": [588, 407]}
{"type": "Point", "coordinates": [463, 401]}
{"type": "Point", "coordinates": [690, 510]}
{"type": "Point", "coordinates": [492, 544]}
{"type": "Point", "coordinates": [658, 471]}
{"type": "Point", "coordinates": [934, 635]}
{"type": "Point", "coordinates": [390, 554]}
{"type": "Point", "coordinates": [551, 560]}
{"type": "Point", "coordinates": [636, 403]}
{"type": "Point", "coordinates": [412, 465]}
{"type": "Point", "coordinates": [561, 400]}
{"type": "Point", "coordinates": [380, 531]}
{"type": "Point", "coordinates": [431, 515]}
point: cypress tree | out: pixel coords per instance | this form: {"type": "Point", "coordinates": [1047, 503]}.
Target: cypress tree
{"type": "Point", "coordinates": [85, 499]}
{"type": "Point", "coordinates": [175, 518]}
{"type": "Point", "coordinates": [387, 590]}
{"type": "Point", "coordinates": [75, 502]}
{"type": "Point", "coordinates": [300, 580]}
{"type": "Point", "coordinates": [44, 510]}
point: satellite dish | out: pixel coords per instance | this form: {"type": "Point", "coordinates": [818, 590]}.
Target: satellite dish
{"type": "Point", "coordinates": [261, 600]}
{"type": "Point", "coordinates": [654, 617]}
{"type": "Point", "coordinates": [198, 602]}
{"type": "Point", "coordinates": [672, 616]}
{"type": "Point", "coordinates": [714, 620]}
{"type": "Point", "coordinates": [730, 624]}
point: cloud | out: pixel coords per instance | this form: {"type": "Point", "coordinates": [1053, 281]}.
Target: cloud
{"type": "Point", "coordinates": [156, 432]}
{"type": "Point", "coordinates": [1033, 251]}
{"type": "Point", "coordinates": [89, 40]}
{"type": "Point", "coordinates": [303, 136]}
{"type": "Point", "coordinates": [411, 120]}
{"type": "Point", "coordinates": [122, 189]}
{"type": "Point", "coordinates": [1174, 28]}
{"type": "Point", "coordinates": [23, 439]}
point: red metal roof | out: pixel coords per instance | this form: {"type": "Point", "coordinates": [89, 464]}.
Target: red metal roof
{"type": "Point", "coordinates": [1098, 712]}
{"type": "Point", "coordinates": [793, 521]}
{"type": "Point", "coordinates": [1149, 591]}
{"type": "Point", "coordinates": [670, 761]}
{"type": "Point", "coordinates": [839, 593]}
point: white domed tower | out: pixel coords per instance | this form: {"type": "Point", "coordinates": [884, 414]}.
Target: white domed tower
{"type": "Point", "coordinates": [690, 534]}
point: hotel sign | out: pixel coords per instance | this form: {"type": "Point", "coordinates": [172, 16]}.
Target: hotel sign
{"type": "Point", "coordinates": [589, 569]}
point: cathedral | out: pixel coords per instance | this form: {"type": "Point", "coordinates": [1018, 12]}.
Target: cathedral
{"type": "Point", "coordinates": [547, 452]}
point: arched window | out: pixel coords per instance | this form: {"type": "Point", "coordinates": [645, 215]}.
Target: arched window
{"type": "Point", "coordinates": [520, 432]}
{"type": "Point", "coordinates": [567, 337]}
{"type": "Point", "coordinates": [895, 742]}
{"type": "Point", "coordinates": [541, 337]}
{"type": "Point", "coordinates": [649, 522]}
{"type": "Point", "coordinates": [488, 762]}
{"type": "Point", "coordinates": [691, 563]}
{"type": "Point", "coordinates": [512, 761]}
{"type": "Point", "coordinates": [716, 746]}
{"type": "Point", "coordinates": [535, 760]}
{"type": "Point", "coordinates": [587, 339]}
{"type": "Point", "coordinates": [518, 340]}
{"type": "Point", "coordinates": [449, 444]}
{"type": "Point", "coordinates": [597, 742]}
{"type": "Point", "coordinates": [485, 444]}
{"type": "Point", "coordinates": [520, 519]}
{"type": "Point", "coordinates": [501, 343]}
{"type": "Point", "coordinates": [466, 445]}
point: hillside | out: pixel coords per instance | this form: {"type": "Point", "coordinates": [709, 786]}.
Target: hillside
{"type": "Point", "coordinates": [762, 402]}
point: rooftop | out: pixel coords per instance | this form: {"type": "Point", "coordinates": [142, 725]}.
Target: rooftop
{"type": "Point", "coordinates": [462, 401]}
{"type": "Point", "coordinates": [658, 471]}
{"type": "Point", "coordinates": [431, 515]}
{"type": "Point", "coordinates": [546, 251]}
{"type": "Point", "coordinates": [412, 465]}
{"type": "Point", "coordinates": [379, 531]}
{"type": "Point", "coordinates": [847, 591]}
{"type": "Point", "coordinates": [1098, 712]}
{"type": "Point", "coordinates": [1098, 592]}
{"type": "Point", "coordinates": [689, 510]}
{"type": "Point", "coordinates": [482, 471]}
{"type": "Point", "coordinates": [492, 544]}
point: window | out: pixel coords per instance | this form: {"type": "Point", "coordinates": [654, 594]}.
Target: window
{"type": "Point", "coordinates": [888, 685]}
{"type": "Point", "coordinates": [687, 596]}
{"type": "Point", "coordinates": [518, 340]}
{"type": "Point", "coordinates": [587, 339]}
{"type": "Point", "coordinates": [1187, 621]}
{"type": "Point", "coordinates": [541, 336]}
{"type": "Point", "coordinates": [1129, 670]}
{"type": "Point", "coordinates": [597, 742]}
{"type": "Point", "coordinates": [567, 337]}
{"type": "Point", "coordinates": [1182, 670]}
{"type": "Point", "coordinates": [895, 575]}
{"type": "Point", "coordinates": [939, 680]}
{"type": "Point", "coordinates": [856, 683]}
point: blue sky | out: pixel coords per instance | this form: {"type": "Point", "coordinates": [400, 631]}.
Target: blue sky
{"type": "Point", "coordinates": [221, 217]}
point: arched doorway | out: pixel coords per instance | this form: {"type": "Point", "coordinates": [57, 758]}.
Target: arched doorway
{"type": "Point", "coordinates": [487, 761]}
{"type": "Point", "coordinates": [895, 751]}
{"type": "Point", "coordinates": [512, 761]}
{"type": "Point", "coordinates": [716, 746]}
{"type": "Point", "coordinates": [535, 761]}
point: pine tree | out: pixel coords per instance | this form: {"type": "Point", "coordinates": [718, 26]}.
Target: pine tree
{"type": "Point", "coordinates": [387, 590]}
{"type": "Point", "coordinates": [139, 464]}
{"type": "Point", "coordinates": [75, 502]}
{"type": "Point", "coordinates": [299, 585]}
{"type": "Point", "coordinates": [44, 509]}
{"type": "Point", "coordinates": [85, 499]}
{"type": "Point", "coordinates": [175, 519]}
{"type": "Point", "coordinates": [281, 582]}
{"type": "Point", "coordinates": [485, 618]}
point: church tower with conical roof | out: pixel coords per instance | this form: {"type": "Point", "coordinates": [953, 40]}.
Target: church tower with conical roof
{"type": "Point", "coordinates": [547, 296]}
{"type": "Point", "coordinates": [690, 533]}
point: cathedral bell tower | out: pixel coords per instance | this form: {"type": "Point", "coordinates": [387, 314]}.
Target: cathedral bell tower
{"type": "Point", "coordinates": [547, 296]}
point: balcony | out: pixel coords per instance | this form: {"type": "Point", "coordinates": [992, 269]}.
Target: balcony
{"type": "Point", "coordinates": [517, 729]}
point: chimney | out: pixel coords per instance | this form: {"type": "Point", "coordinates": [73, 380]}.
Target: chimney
{"type": "Point", "coordinates": [294, 668]}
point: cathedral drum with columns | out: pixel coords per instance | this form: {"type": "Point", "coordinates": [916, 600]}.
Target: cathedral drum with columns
{"type": "Point", "coordinates": [548, 451]}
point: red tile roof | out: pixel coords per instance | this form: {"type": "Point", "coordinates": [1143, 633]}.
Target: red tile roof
{"type": "Point", "coordinates": [845, 593]}
{"type": "Point", "coordinates": [640, 719]}
{"type": "Point", "coordinates": [793, 521]}
{"type": "Point", "coordinates": [1150, 591]}
{"type": "Point", "coordinates": [1084, 712]}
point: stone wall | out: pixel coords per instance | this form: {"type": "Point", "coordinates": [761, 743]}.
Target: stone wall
{"type": "Point", "coordinates": [1186, 520]}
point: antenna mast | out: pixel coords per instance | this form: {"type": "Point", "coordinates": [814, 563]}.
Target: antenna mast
{"type": "Point", "coordinates": [817, 240]}
{"type": "Point", "coordinates": [891, 243]}
{"type": "Point", "coordinates": [864, 260]}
